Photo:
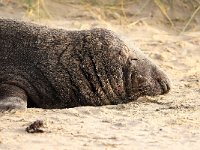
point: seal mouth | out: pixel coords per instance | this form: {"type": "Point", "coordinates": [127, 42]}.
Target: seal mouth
{"type": "Point", "coordinates": [165, 86]}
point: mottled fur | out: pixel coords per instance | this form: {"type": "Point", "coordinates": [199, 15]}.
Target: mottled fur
{"type": "Point", "coordinates": [55, 68]}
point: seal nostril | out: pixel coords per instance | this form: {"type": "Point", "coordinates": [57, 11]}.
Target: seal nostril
{"type": "Point", "coordinates": [164, 87]}
{"type": "Point", "coordinates": [168, 86]}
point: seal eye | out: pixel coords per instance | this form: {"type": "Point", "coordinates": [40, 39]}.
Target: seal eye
{"type": "Point", "coordinates": [134, 59]}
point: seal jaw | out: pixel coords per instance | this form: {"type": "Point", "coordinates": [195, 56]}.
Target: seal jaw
{"type": "Point", "coordinates": [160, 83]}
{"type": "Point", "coordinates": [165, 86]}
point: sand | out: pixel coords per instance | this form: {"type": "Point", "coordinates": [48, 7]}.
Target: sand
{"type": "Point", "coordinates": [163, 122]}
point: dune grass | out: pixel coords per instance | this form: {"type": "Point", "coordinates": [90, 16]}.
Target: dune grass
{"type": "Point", "coordinates": [192, 17]}
{"type": "Point", "coordinates": [104, 10]}
{"type": "Point", "coordinates": [119, 7]}
{"type": "Point", "coordinates": [37, 9]}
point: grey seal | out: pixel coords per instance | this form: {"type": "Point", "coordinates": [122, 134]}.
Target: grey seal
{"type": "Point", "coordinates": [56, 68]}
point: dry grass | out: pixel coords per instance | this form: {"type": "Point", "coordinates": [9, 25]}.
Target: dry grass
{"type": "Point", "coordinates": [192, 17]}
{"type": "Point", "coordinates": [37, 9]}
{"type": "Point", "coordinates": [163, 9]}
{"type": "Point", "coordinates": [105, 10]}
{"type": "Point", "coordinates": [117, 9]}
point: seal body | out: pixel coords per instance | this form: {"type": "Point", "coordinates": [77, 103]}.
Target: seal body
{"type": "Point", "coordinates": [56, 68]}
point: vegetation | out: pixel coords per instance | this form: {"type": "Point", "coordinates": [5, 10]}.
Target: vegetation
{"type": "Point", "coordinates": [115, 9]}
{"type": "Point", "coordinates": [36, 8]}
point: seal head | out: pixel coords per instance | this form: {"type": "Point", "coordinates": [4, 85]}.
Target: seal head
{"type": "Point", "coordinates": [144, 78]}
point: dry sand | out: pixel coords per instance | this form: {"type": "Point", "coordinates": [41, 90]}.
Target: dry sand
{"type": "Point", "coordinates": [171, 121]}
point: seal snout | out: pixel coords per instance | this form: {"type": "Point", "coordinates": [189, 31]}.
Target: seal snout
{"type": "Point", "coordinates": [165, 85]}
{"type": "Point", "coordinates": [163, 81]}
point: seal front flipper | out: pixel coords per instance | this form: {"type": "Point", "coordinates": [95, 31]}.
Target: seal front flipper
{"type": "Point", "coordinates": [12, 98]}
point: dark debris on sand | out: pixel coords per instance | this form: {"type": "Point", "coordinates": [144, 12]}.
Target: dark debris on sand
{"type": "Point", "coordinates": [35, 127]}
